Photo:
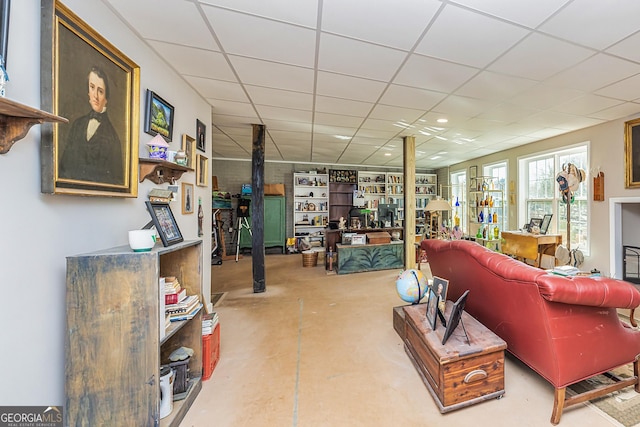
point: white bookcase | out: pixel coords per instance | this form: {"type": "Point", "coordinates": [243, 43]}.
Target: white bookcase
{"type": "Point", "coordinates": [372, 185]}
{"type": "Point", "coordinates": [310, 204]}
{"type": "Point", "coordinates": [395, 193]}
{"type": "Point", "coordinates": [426, 190]}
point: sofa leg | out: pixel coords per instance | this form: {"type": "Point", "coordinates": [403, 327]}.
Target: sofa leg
{"type": "Point", "coordinates": [635, 374]}
{"type": "Point", "coordinates": [632, 319]}
{"type": "Point", "coordinates": [558, 405]}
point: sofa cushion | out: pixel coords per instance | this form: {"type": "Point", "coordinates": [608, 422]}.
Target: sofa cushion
{"type": "Point", "coordinates": [591, 291]}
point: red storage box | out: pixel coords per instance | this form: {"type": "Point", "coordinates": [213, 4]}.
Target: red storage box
{"type": "Point", "coordinates": [210, 352]}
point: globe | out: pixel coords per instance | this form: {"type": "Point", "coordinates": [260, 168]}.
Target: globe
{"type": "Point", "coordinates": [411, 286]}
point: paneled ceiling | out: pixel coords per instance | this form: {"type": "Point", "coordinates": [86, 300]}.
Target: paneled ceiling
{"type": "Point", "coordinates": [343, 81]}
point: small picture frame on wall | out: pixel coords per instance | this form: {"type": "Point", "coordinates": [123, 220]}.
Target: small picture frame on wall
{"type": "Point", "coordinates": [158, 118]}
{"type": "Point", "coordinates": [187, 198]}
{"type": "Point", "coordinates": [202, 170]}
{"type": "Point", "coordinates": [201, 136]}
{"type": "Point", "coordinates": [189, 148]}
{"type": "Point", "coordinates": [632, 153]}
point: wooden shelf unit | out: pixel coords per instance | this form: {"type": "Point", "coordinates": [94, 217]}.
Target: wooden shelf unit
{"type": "Point", "coordinates": [16, 119]}
{"type": "Point", "coordinates": [159, 171]}
{"type": "Point", "coordinates": [113, 349]}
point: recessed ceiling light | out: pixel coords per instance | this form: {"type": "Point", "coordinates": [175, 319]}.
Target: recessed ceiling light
{"type": "Point", "coordinates": [434, 157]}
{"type": "Point", "coordinates": [442, 121]}
{"type": "Point", "coordinates": [387, 154]}
{"type": "Point", "coordinates": [342, 137]}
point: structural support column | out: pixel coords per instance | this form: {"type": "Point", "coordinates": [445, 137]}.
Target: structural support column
{"type": "Point", "coordinates": [257, 212]}
{"type": "Point", "coordinates": [409, 163]}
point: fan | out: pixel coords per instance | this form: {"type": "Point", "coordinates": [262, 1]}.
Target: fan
{"type": "Point", "coordinates": [569, 180]}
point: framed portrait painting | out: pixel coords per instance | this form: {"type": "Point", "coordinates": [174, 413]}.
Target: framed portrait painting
{"type": "Point", "coordinates": [632, 153]}
{"type": "Point", "coordinates": [201, 135]}
{"type": "Point", "coordinates": [87, 80]}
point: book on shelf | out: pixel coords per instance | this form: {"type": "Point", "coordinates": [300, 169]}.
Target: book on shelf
{"type": "Point", "coordinates": [183, 306]}
{"type": "Point", "coordinates": [175, 298]}
{"type": "Point", "coordinates": [186, 316]}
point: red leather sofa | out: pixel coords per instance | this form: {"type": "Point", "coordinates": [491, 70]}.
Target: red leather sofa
{"type": "Point", "coordinates": [566, 329]}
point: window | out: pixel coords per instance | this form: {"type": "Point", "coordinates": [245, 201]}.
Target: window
{"type": "Point", "coordinates": [499, 171]}
{"type": "Point", "coordinates": [541, 194]}
{"type": "Point", "coordinates": [458, 198]}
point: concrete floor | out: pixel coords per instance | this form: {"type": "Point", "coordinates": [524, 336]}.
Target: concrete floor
{"type": "Point", "coordinates": [320, 350]}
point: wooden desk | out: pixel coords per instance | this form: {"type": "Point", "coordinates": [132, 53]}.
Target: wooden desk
{"type": "Point", "coordinates": [457, 374]}
{"type": "Point", "coordinates": [530, 246]}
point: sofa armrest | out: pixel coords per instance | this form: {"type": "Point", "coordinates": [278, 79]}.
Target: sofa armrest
{"type": "Point", "coordinates": [590, 291]}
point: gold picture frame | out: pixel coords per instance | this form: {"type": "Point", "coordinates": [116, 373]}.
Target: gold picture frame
{"type": "Point", "coordinates": [107, 163]}
{"type": "Point", "coordinates": [202, 170]}
{"type": "Point", "coordinates": [632, 153]}
{"type": "Point", "coordinates": [189, 148]}
{"type": "Point", "coordinates": [187, 198]}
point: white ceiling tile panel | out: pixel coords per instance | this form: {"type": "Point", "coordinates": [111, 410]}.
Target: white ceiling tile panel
{"type": "Point", "coordinates": [595, 23]}
{"type": "Point", "coordinates": [469, 38]}
{"type": "Point", "coordinates": [627, 48]}
{"type": "Point", "coordinates": [384, 22]}
{"type": "Point", "coordinates": [596, 72]}
{"type": "Point", "coordinates": [433, 74]}
{"type": "Point", "coordinates": [326, 104]}
{"type": "Point", "coordinates": [615, 112]}
{"type": "Point", "coordinates": [627, 89]}
{"type": "Point", "coordinates": [495, 87]}
{"type": "Point", "coordinates": [347, 87]}
{"type": "Point", "coordinates": [587, 105]}
{"type": "Point", "coordinates": [269, 40]}
{"type": "Point", "coordinates": [152, 18]}
{"type": "Point", "coordinates": [301, 12]}
{"type": "Point", "coordinates": [539, 57]}
{"type": "Point", "coordinates": [530, 13]}
{"type": "Point", "coordinates": [396, 114]}
{"type": "Point", "coordinates": [273, 75]}
{"type": "Point", "coordinates": [193, 61]}
{"type": "Point", "coordinates": [408, 97]}
{"type": "Point", "coordinates": [232, 108]}
{"type": "Point", "coordinates": [355, 58]}
{"type": "Point", "coordinates": [544, 96]}
{"type": "Point", "coordinates": [281, 98]}
{"type": "Point", "coordinates": [338, 120]}
{"type": "Point", "coordinates": [218, 89]}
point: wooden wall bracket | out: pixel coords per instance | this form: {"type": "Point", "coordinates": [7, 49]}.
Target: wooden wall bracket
{"type": "Point", "coordinates": [159, 171]}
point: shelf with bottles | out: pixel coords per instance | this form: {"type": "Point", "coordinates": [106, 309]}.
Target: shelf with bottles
{"type": "Point", "coordinates": [486, 206]}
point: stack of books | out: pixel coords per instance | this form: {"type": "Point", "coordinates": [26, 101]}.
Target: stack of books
{"type": "Point", "coordinates": [185, 309]}
{"type": "Point", "coordinates": [565, 270]}
{"type": "Point", "coordinates": [209, 322]}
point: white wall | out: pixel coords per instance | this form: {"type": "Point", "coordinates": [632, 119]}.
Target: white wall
{"type": "Point", "coordinates": [40, 230]}
{"type": "Point", "coordinates": [606, 152]}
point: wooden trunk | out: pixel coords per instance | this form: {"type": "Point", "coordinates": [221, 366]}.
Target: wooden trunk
{"type": "Point", "coordinates": [378, 237]}
{"type": "Point", "coordinates": [457, 374]}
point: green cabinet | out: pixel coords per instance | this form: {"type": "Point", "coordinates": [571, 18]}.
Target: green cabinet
{"type": "Point", "coordinates": [274, 224]}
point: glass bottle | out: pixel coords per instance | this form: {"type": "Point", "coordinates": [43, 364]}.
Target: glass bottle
{"type": "Point", "coordinates": [495, 217]}
{"type": "Point", "coordinates": [200, 217]}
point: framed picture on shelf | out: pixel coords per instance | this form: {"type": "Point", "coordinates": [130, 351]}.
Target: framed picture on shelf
{"type": "Point", "coordinates": [81, 74]}
{"type": "Point", "coordinates": [201, 136]}
{"type": "Point", "coordinates": [187, 198]}
{"type": "Point", "coordinates": [432, 309]}
{"type": "Point", "coordinates": [455, 317]}
{"type": "Point", "coordinates": [440, 287]}
{"type": "Point", "coordinates": [158, 117]}
{"type": "Point", "coordinates": [546, 221]}
{"type": "Point", "coordinates": [165, 223]}
{"type": "Point", "coordinates": [189, 148]}
{"type": "Point", "coordinates": [202, 169]}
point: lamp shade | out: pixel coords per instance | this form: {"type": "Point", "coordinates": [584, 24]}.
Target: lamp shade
{"type": "Point", "coordinates": [438, 205]}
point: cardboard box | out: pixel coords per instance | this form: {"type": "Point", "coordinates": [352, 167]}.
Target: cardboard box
{"type": "Point", "coordinates": [274, 189]}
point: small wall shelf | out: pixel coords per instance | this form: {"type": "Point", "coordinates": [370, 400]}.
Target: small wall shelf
{"type": "Point", "coordinates": [159, 171]}
{"type": "Point", "coordinates": [16, 119]}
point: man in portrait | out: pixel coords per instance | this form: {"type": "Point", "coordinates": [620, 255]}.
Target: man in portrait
{"type": "Point", "coordinates": [92, 151]}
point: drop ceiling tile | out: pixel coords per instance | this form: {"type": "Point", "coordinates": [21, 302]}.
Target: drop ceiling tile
{"type": "Point", "coordinates": [462, 106]}
{"type": "Point", "coordinates": [326, 104]}
{"type": "Point", "coordinates": [383, 125]}
{"type": "Point", "coordinates": [227, 120]}
{"type": "Point", "coordinates": [408, 97]}
{"type": "Point", "coordinates": [334, 130]}
{"type": "Point", "coordinates": [617, 111]}
{"type": "Point", "coordinates": [187, 26]}
{"type": "Point", "coordinates": [347, 87]}
{"type": "Point", "coordinates": [268, 40]}
{"type": "Point", "coordinates": [544, 96]}
{"type": "Point", "coordinates": [270, 74]}
{"type": "Point", "coordinates": [233, 108]}
{"type": "Point", "coordinates": [290, 136]}
{"type": "Point", "coordinates": [469, 38]}
{"type": "Point", "coordinates": [215, 90]}
{"type": "Point", "coordinates": [193, 61]}
{"type": "Point", "coordinates": [355, 58]}
{"type": "Point", "coordinates": [577, 122]}
{"type": "Point", "coordinates": [596, 72]}
{"type": "Point", "coordinates": [627, 89]}
{"type": "Point", "coordinates": [337, 120]}
{"type": "Point", "coordinates": [395, 114]}
{"type": "Point", "coordinates": [530, 13]}
{"type": "Point", "coordinates": [276, 124]}
{"type": "Point", "coordinates": [507, 113]}
{"type": "Point", "coordinates": [494, 87]}
{"type": "Point", "coordinates": [587, 105]}
{"type": "Point", "coordinates": [627, 48]}
{"type": "Point", "coordinates": [377, 134]}
{"type": "Point", "coordinates": [523, 60]}
{"type": "Point", "coordinates": [433, 74]}
{"type": "Point", "coordinates": [281, 98]}
{"type": "Point", "coordinates": [301, 13]}
{"type": "Point", "coordinates": [594, 23]}
{"type": "Point", "coordinates": [385, 23]}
